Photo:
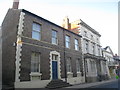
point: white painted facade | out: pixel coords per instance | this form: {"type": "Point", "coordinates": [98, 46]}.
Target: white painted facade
{"type": "Point", "coordinates": [90, 44]}
{"type": "Point", "coordinates": [92, 39]}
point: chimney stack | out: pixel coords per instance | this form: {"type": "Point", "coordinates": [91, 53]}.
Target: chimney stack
{"type": "Point", "coordinates": [65, 23]}
{"type": "Point", "coordinates": [15, 4]}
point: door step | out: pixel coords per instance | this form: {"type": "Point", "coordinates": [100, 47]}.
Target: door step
{"type": "Point", "coordinates": [57, 84]}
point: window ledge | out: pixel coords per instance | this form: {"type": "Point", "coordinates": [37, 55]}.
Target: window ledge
{"type": "Point", "coordinates": [78, 72]}
{"type": "Point", "coordinates": [69, 73]}
{"type": "Point", "coordinates": [35, 74]}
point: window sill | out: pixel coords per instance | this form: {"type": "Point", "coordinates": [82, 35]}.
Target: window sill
{"type": "Point", "coordinates": [35, 74]}
{"type": "Point", "coordinates": [78, 72]}
{"type": "Point", "coordinates": [69, 73]}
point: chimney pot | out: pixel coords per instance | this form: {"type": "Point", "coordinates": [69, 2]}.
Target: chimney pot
{"type": "Point", "coordinates": [15, 4]}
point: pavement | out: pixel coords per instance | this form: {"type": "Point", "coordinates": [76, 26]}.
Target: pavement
{"type": "Point", "coordinates": [88, 85]}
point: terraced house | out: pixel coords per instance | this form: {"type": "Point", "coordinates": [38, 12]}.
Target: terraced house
{"type": "Point", "coordinates": [36, 51]}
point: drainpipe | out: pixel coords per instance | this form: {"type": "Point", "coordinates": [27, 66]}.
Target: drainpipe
{"type": "Point", "coordinates": [65, 68]}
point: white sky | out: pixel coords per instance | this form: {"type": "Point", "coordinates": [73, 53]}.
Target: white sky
{"type": "Point", "coordinates": [101, 15]}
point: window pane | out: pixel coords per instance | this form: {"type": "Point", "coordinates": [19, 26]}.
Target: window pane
{"type": "Point", "coordinates": [67, 38]}
{"type": "Point", "coordinates": [67, 45]}
{"type": "Point", "coordinates": [76, 41]}
{"type": "Point", "coordinates": [36, 35]}
{"type": "Point", "coordinates": [36, 31]}
{"type": "Point", "coordinates": [67, 41]}
{"type": "Point", "coordinates": [54, 57]}
{"type": "Point", "coordinates": [54, 37]}
{"type": "Point", "coordinates": [36, 27]}
{"type": "Point", "coordinates": [76, 45]}
{"type": "Point", "coordinates": [35, 59]}
{"type": "Point", "coordinates": [54, 41]}
{"type": "Point", "coordinates": [54, 33]}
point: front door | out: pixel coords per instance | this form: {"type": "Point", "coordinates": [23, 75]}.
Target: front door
{"type": "Point", "coordinates": [54, 66]}
{"type": "Point", "coordinates": [54, 70]}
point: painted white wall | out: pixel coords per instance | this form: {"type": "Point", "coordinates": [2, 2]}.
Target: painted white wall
{"type": "Point", "coordinates": [90, 41]}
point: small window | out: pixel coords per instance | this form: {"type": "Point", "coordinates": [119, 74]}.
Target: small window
{"type": "Point", "coordinates": [67, 41]}
{"type": "Point", "coordinates": [35, 62]}
{"type": "Point", "coordinates": [76, 45]}
{"type": "Point", "coordinates": [36, 31]}
{"type": "Point", "coordinates": [54, 37]}
{"type": "Point", "coordinates": [54, 57]}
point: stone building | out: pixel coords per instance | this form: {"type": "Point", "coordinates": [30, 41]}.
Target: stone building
{"type": "Point", "coordinates": [36, 51]}
{"type": "Point", "coordinates": [93, 60]}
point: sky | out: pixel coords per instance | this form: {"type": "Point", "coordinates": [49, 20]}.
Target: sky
{"type": "Point", "coordinates": [101, 15]}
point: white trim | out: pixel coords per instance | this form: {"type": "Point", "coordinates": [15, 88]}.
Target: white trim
{"type": "Point", "coordinates": [19, 47]}
{"type": "Point", "coordinates": [58, 62]}
{"type": "Point", "coordinates": [35, 74]}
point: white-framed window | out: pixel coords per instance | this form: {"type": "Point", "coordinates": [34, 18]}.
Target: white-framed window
{"type": "Point", "coordinates": [54, 37]}
{"type": "Point", "coordinates": [54, 57]}
{"type": "Point", "coordinates": [76, 44]}
{"type": "Point", "coordinates": [35, 62]}
{"type": "Point", "coordinates": [36, 31]}
{"type": "Point", "coordinates": [69, 68]}
{"type": "Point", "coordinates": [78, 65]}
{"type": "Point", "coordinates": [67, 41]}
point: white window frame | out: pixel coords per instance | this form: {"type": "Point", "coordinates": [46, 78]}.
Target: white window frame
{"type": "Point", "coordinates": [54, 37]}
{"type": "Point", "coordinates": [32, 61]}
{"type": "Point", "coordinates": [34, 25]}
{"type": "Point", "coordinates": [67, 41]}
{"type": "Point", "coordinates": [76, 44]}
